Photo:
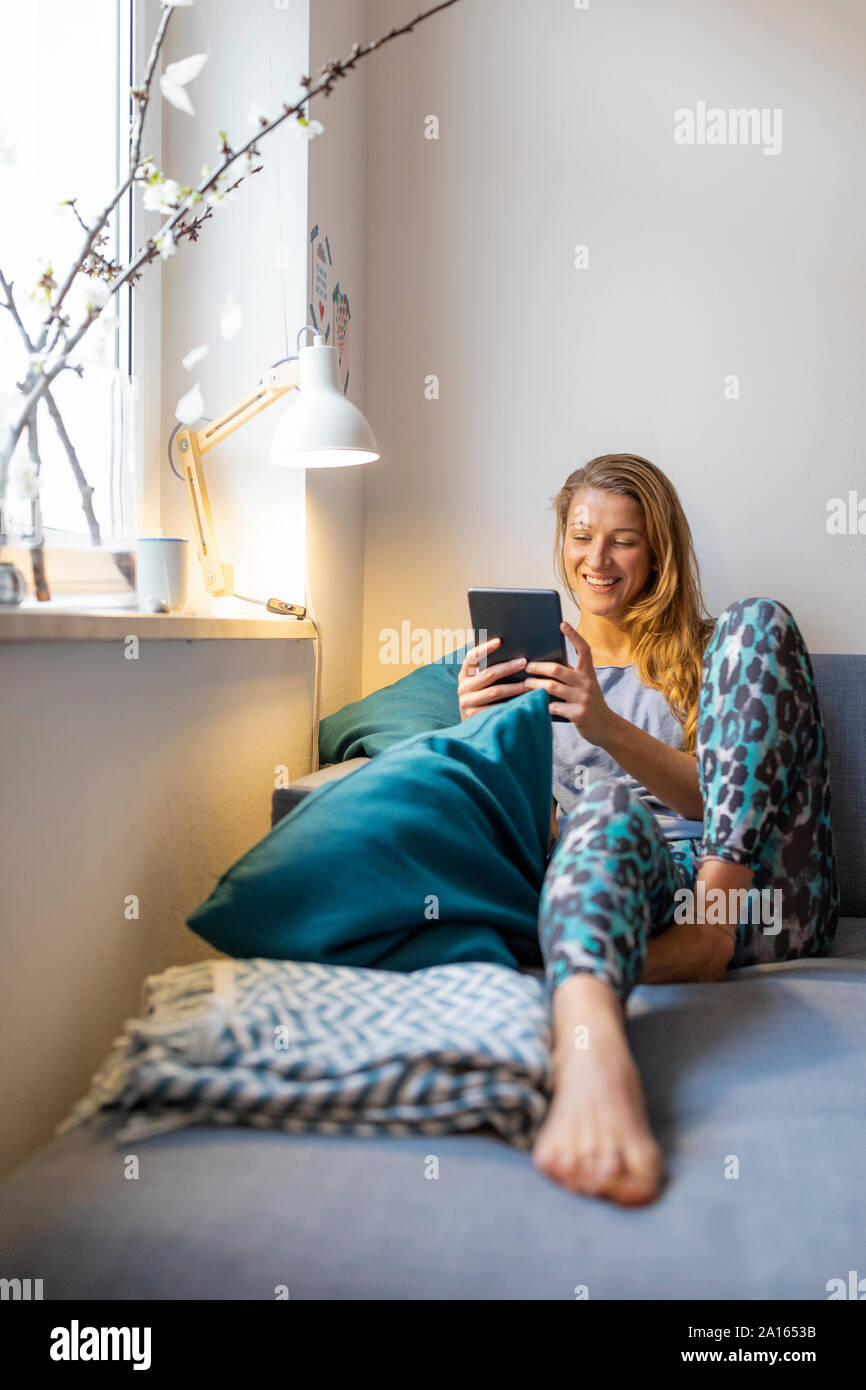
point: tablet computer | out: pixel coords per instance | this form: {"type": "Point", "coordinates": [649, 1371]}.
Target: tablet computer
{"type": "Point", "coordinates": [527, 621]}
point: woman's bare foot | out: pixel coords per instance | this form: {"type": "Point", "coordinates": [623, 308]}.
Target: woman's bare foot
{"type": "Point", "coordinates": [596, 1138]}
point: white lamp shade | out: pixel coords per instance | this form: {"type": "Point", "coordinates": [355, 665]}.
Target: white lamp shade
{"type": "Point", "coordinates": [322, 429]}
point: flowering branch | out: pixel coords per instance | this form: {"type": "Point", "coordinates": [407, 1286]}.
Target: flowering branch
{"type": "Point", "coordinates": [56, 337]}
{"type": "Point", "coordinates": [83, 486]}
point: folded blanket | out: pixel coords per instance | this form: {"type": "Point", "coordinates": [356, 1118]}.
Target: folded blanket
{"type": "Point", "coordinates": [331, 1049]}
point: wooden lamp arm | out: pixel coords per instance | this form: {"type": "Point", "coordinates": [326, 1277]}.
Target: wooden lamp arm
{"type": "Point", "coordinates": [193, 444]}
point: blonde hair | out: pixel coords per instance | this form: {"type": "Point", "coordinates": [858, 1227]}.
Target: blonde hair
{"type": "Point", "coordinates": [668, 624]}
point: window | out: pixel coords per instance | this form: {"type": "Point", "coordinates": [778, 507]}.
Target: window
{"type": "Point", "coordinates": [65, 73]}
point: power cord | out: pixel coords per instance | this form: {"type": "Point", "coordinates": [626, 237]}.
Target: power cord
{"type": "Point", "coordinates": [317, 685]}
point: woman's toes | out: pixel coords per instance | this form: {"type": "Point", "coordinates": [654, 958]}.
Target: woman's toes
{"type": "Point", "coordinates": [597, 1172]}
{"type": "Point", "coordinates": [558, 1156]}
{"type": "Point", "coordinates": [630, 1179]}
{"type": "Point", "coordinates": [633, 1191]}
{"type": "Point", "coordinates": [552, 1159]}
{"type": "Point", "coordinates": [641, 1177]}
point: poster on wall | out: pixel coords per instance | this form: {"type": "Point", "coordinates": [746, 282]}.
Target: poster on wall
{"type": "Point", "coordinates": [340, 318]}
{"type": "Point", "coordinates": [319, 278]}
{"type": "Point", "coordinates": [328, 307]}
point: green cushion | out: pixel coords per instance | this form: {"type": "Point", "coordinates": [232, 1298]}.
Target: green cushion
{"type": "Point", "coordinates": [453, 821]}
{"type": "Point", "coordinates": [425, 699]}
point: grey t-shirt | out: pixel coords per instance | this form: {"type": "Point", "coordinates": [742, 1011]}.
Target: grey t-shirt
{"type": "Point", "coordinates": [646, 708]}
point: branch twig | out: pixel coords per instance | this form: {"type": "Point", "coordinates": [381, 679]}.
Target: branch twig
{"type": "Point", "coordinates": [84, 487]}
{"type": "Point", "coordinates": [37, 555]}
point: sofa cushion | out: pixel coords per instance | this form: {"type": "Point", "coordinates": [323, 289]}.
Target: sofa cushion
{"type": "Point", "coordinates": [432, 853]}
{"type": "Point", "coordinates": [841, 681]}
{"type": "Point", "coordinates": [425, 699]}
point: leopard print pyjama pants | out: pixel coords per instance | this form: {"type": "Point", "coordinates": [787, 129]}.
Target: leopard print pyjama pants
{"type": "Point", "coordinates": [613, 880]}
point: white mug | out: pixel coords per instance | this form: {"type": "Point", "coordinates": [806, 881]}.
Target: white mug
{"type": "Point", "coordinates": [162, 572]}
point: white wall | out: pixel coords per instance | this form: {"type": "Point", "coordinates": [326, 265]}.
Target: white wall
{"type": "Point", "coordinates": [556, 129]}
{"type": "Point", "coordinates": [145, 777]}
{"type": "Point", "coordinates": [151, 777]}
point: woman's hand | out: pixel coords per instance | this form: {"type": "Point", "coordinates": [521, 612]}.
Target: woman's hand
{"type": "Point", "coordinates": [476, 683]}
{"type": "Point", "coordinates": [576, 691]}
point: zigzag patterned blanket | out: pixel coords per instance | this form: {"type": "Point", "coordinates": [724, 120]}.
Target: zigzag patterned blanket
{"type": "Point", "coordinates": [332, 1049]}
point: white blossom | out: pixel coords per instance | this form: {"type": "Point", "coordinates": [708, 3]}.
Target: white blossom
{"type": "Point", "coordinates": [99, 295]}
{"type": "Point", "coordinates": [194, 356]}
{"type": "Point", "coordinates": [256, 116]}
{"type": "Point", "coordinates": [308, 129]}
{"type": "Point", "coordinates": [92, 294]}
{"type": "Point", "coordinates": [231, 317]}
{"type": "Point", "coordinates": [190, 407]}
{"type": "Point", "coordinates": [173, 82]}
{"type": "Point", "coordinates": [165, 243]}
{"type": "Point", "coordinates": [162, 196]}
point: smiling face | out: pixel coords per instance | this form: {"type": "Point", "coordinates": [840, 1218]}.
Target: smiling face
{"type": "Point", "coordinates": [606, 555]}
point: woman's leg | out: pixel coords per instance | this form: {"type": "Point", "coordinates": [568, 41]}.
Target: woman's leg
{"type": "Point", "coordinates": [609, 887]}
{"type": "Point", "coordinates": [611, 883]}
{"type": "Point", "coordinates": [762, 760]}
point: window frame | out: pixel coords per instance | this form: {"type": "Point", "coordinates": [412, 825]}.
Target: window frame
{"type": "Point", "coordinates": [83, 570]}
{"type": "Point", "coordinates": [141, 316]}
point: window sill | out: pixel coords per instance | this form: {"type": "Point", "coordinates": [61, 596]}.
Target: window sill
{"type": "Point", "coordinates": [53, 623]}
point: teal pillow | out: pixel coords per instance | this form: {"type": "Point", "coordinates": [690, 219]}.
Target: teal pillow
{"type": "Point", "coordinates": [432, 853]}
{"type": "Point", "coordinates": [425, 699]}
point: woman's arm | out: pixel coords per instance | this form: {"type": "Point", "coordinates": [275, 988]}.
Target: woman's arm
{"type": "Point", "coordinates": [668, 773]}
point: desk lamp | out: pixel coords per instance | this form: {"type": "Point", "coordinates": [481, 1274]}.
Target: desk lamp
{"type": "Point", "coordinates": [322, 430]}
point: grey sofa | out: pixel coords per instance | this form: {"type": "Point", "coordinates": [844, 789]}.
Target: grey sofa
{"type": "Point", "coordinates": [756, 1087]}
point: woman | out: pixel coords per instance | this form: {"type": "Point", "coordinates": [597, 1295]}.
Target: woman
{"type": "Point", "coordinates": [693, 759]}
